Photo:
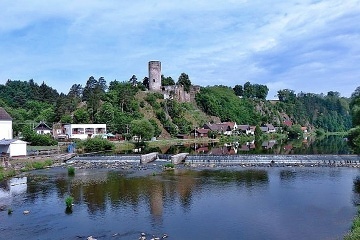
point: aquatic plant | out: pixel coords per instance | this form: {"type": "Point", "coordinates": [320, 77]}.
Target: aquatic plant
{"type": "Point", "coordinates": [69, 202]}
{"type": "Point", "coordinates": [354, 233]}
{"type": "Point", "coordinates": [169, 165]}
{"type": "Point", "coordinates": [71, 171]}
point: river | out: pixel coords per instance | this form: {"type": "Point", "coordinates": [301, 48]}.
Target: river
{"type": "Point", "coordinates": [218, 203]}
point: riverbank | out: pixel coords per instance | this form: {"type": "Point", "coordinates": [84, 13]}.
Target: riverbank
{"type": "Point", "coordinates": [354, 233]}
{"type": "Point", "coordinates": [16, 166]}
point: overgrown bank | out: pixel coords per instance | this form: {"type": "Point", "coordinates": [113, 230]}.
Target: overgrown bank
{"type": "Point", "coordinates": [354, 233]}
{"type": "Point", "coordinates": [23, 165]}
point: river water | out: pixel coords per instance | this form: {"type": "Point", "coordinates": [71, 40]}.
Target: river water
{"type": "Point", "coordinates": [219, 203]}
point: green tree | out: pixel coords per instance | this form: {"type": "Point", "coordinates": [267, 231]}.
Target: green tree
{"type": "Point", "coordinates": [142, 128]}
{"type": "Point", "coordinates": [106, 114]}
{"type": "Point", "coordinates": [355, 107]}
{"type": "Point", "coordinates": [81, 116]}
{"type": "Point", "coordinates": [93, 93]}
{"type": "Point", "coordinates": [238, 89]}
{"type": "Point", "coordinates": [122, 94]}
{"type": "Point", "coordinates": [261, 91]}
{"type": "Point", "coordinates": [167, 81]}
{"type": "Point", "coordinates": [184, 80]}
{"type": "Point", "coordinates": [286, 95]}
{"type": "Point", "coordinates": [157, 130]}
{"type": "Point", "coordinates": [133, 80]}
{"type": "Point", "coordinates": [248, 90]}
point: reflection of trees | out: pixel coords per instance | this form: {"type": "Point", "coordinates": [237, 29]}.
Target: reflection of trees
{"type": "Point", "coordinates": [38, 186]}
{"type": "Point", "coordinates": [159, 192]}
{"type": "Point", "coordinates": [287, 174]}
{"type": "Point", "coordinates": [356, 191]}
{"type": "Point", "coordinates": [248, 178]}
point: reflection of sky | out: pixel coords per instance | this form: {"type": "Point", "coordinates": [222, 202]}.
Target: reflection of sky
{"type": "Point", "coordinates": [310, 203]}
{"type": "Point", "coordinates": [14, 186]}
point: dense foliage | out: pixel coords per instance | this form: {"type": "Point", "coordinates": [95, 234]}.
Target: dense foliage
{"type": "Point", "coordinates": [119, 106]}
{"type": "Point", "coordinates": [354, 134]}
{"type": "Point", "coordinates": [221, 101]}
{"type": "Point", "coordinates": [96, 144]}
{"type": "Point", "coordinates": [329, 112]}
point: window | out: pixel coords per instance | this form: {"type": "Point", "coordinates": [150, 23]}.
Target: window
{"type": "Point", "coordinates": [77, 131]}
{"type": "Point", "coordinates": [100, 130]}
{"type": "Point", "coordinates": [89, 130]}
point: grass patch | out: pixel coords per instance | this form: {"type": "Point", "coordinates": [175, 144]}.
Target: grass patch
{"type": "Point", "coordinates": [37, 165]}
{"type": "Point", "coordinates": [6, 173]}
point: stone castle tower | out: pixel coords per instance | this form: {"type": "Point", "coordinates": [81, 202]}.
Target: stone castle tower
{"type": "Point", "coordinates": [155, 76]}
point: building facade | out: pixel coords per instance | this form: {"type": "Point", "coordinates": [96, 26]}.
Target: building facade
{"type": "Point", "coordinates": [84, 131]}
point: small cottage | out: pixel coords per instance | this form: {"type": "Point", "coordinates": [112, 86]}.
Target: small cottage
{"type": "Point", "coordinates": [42, 128]}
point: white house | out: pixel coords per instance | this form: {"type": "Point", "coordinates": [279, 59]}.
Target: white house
{"type": "Point", "coordinates": [9, 146]}
{"type": "Point", "coordinates": [6, 131]}
{"type": "Point", "coordinates": [13, 147]}
{"type": "Point", "coordinates": [42, 128]}
{"type": "Point", "coordinates": [84, 131]}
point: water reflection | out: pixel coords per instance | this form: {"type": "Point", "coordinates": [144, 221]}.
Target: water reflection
{"type": "Point", "coordinates": [356, 190]}
{"type": "Point", "coordinates": [228, 203]}
{"type": "Point", "coordinates": [308, 145]}
{"type": "Point", "coordinates": [100, 189]}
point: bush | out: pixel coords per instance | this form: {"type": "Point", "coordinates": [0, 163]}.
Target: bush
{"type": "Point", "coordinates": [169, 165]}
{"type": "Point", "coordinates": [96, 144]}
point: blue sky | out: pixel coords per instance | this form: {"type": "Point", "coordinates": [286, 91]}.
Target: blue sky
{"type": "Point", "coordinates": [308, 45]}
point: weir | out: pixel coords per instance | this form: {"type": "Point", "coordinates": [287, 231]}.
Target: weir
{"type": "Point", "coordinates": [106, 158]}
{"type": "Point", "coordinates": [225, 159]}
{"type": "Point", "coordinates": [274, 159]}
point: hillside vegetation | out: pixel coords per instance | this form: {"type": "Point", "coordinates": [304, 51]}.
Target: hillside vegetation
{"type": "Point", "coordinates": [127, 107]}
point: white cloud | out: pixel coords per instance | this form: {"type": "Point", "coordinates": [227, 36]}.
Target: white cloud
{"type": "Point", "coordinates": [280, 44]}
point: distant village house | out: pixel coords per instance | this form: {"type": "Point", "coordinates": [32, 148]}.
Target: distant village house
{"type": "Point", "coordinates": [42, 128]}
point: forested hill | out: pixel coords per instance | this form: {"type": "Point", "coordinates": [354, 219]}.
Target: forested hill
{"type": "Point", "coordinates": [121, 105]}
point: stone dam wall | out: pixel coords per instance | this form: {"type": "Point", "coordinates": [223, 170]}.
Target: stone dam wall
{"type": "Point", "coordinates": [225, 159]}
{"type": "Point", "coordinates": [277, 159]}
